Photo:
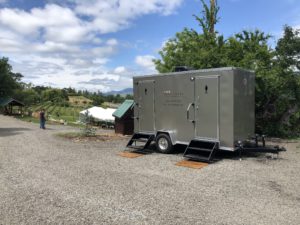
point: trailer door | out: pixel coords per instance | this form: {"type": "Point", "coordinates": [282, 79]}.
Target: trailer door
{"type": "Point", "coordinates": [146, 106]}
{"type": "Point", "coordinates": [207, 107]}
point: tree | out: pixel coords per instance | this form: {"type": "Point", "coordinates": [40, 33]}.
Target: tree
{"type": "Point", "coordinates": [209, 17]}
{"type": "Point", "coordinates": [97, 99]}
{"type": "Point", "coordinates": [27, 96]}
{"type": "Point", "coordinates": [53, 95]}
{"type": "Point", "coordinates": [288, 49]}
{"type": "Point", "coordinates": [128, 96]}
{"type": "Point", "coordinates": [249, 50]}
{"type": "Point", "coordinates": [286, 66]}
{"type": "Point", "coordinates": [193, 49]}
{"type": "Point", "coordinates": [8, 79]}
{"type": "Point", "coordinates": [277, 70]}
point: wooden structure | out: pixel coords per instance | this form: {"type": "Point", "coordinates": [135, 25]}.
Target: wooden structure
{"type": "Point", "coordinates": [124, 118]}
{"type": "Point", "coordinates": [8, 106]}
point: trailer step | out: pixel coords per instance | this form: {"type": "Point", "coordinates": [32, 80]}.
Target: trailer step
{"type": "Point", "coordinates": [195, 157]}
{"type": "Point", "coordinates": [138, 147]}
{"type": "Point", "coordinates": [201, 150]}
{"type": "Point", "coordinates": [138, 138]}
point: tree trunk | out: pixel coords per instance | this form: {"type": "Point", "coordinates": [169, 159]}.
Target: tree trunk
{"type": "Point", "coordinates": [212, 16]}
{"type": "Point", "coordinates": [285, 119]}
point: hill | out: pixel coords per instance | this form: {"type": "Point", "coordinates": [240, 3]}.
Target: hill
{"type": "Point", "coordinates": [79, 100]}
{"type": "Point", "coordinates": [126, 91]}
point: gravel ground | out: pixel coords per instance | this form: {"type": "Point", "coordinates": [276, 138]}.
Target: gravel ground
{"type": "Point", "coordinates": [45, 179]}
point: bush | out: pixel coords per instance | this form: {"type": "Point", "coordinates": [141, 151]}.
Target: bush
{"type": "Point", "coordinates": [88, 130]}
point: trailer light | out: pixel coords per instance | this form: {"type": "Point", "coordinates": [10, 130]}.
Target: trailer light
{"type": "Point", "coordinates": [192, 78]}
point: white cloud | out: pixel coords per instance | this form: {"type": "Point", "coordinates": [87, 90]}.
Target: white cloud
{"type": "Point", "coordinates": [100, 61]}
{"type": "Point", "coordinates": [120, 69]}
{"type": "Point", "coordinates": [38, 18]}
{"type": "Point", "coordinates": [113, 15]}
{"type": "Point", "coordinates": [68, 34]}
{"type": "Point", "coordinates": [146, 61]}
{"type": "Point", "coordinates": [63, 44]}
{"type": "Point", "coordinates": [50, 46]}
{"type": "Point", "coordinates": [112, 42]}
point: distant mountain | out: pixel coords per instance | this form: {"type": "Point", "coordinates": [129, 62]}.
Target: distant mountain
{"type": "Point", "coordinates": [127, 91]}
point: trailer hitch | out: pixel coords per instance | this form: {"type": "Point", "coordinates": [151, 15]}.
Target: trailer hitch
{"type": "Point", "coordinates": [256, 148]}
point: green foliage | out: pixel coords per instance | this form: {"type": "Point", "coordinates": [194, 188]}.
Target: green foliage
{"type": "Point", "coordinates": [209, 17]}
{"type": "Point", "coordinates": [193, 49]}
{"type": "Point", "coordinates": [97, 100]}
{"type": "Point", "coordinates": [54, 95]}
{"type": "Point", "coordinates": [277, 70]}
{"type": "Point", "coordinates": [64, 104]}
{"type": "Point", "coordinates": [283, 94]}
{"type": "Point", "coordinates": [8, 79]}
{"type": "Point", "coordinates": [88, 130]}
{"type": "Point", "coordinates": [129, 96]}
{"type": "Point", "coordinates": [189, 48]}
{"type": "Point", "coordinates": [27, 96]}
{"type": "Point", "coordinates": [288, 48]}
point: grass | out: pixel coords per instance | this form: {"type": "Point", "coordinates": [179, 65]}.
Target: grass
{"type": "Point", "coordinates": [70, 114]}
{"type": "Point", "coordinates": [28, 119]}
{"type": "Point", "coordinates": [32, 119]}
{"type": "Point", "coordinates": [80, 137]}
{"type": "Point", "coordinates": [70, 135]}
{"type": "Point", "coordinates": [37, 121]}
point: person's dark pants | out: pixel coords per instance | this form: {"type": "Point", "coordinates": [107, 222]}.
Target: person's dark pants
{"type": "Point", "coordinates": [42, 124]}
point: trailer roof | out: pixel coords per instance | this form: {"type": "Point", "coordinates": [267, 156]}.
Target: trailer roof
{"type": "Point", "coordinates": [195, 71]}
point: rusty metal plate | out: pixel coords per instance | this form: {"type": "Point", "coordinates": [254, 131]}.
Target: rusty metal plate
{"type": "Point", "coordinates": [129, 154]}
{"type": "Point", "coordinates": [192, 164]}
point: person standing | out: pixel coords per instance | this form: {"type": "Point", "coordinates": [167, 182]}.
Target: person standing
{"type": "Point", "coordinates": [42, 119]}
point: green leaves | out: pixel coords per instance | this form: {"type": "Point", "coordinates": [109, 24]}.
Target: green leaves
{"type": "Point", "coordinates": [8, 79]}
{"type": "Point", "coordinates": [288, 49]}
{"type": "Point", "coordinates": [277, 70]}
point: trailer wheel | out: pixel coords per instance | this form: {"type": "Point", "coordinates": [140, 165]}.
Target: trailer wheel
{"type": "Point", "coordinates": [163, 143]}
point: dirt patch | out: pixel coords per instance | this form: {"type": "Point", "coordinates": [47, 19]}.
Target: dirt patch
{"type": "Point", "coordinates": [191, 164]}
{"type": "Point", "coordinates": [130, 154]}
{"type": "Point", "coordinates": [79, 137]}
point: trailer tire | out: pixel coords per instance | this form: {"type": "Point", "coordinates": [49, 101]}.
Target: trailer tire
{"type": "Point", "coordinates": [164, 143]}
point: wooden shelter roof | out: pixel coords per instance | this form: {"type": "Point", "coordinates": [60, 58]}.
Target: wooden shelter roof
{"type": "Point", "coordinates": [10, 101]}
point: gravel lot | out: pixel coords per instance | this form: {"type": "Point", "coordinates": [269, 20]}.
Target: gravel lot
{"type": "Point", "coordinates": [45, 179]}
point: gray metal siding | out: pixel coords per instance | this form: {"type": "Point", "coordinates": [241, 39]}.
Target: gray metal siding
{"type": "Point", "coordinates": [174, 92]}
{"type": "Point", "coordinates": [244, 105]}
{"type": "Point", "coordinates": [173, 95]}
{"type": "Point", "coordinates": [207, 107]}
{"type": "Point", "coordinates": [226, 109]}
{"type": "Point", "coordinates": [146, 103]}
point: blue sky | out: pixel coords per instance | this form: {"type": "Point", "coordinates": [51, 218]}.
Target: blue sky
{"type": "Point", "coordinates": [101, 44]}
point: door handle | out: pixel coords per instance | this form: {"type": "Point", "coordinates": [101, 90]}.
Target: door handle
{"type": "Point", "coordinates": [188, 112]}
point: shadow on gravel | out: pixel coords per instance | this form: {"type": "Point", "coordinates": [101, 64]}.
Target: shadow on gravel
{"type": "Point", "coordinates": [220, 155]}
{"type": "Point", "coordinates": [47, 128]}
{"type": "Point", "coordinates": [4, 132]}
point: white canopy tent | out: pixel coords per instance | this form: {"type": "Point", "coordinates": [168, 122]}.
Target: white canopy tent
{"type": "Point", "coordinates": [99, 114]}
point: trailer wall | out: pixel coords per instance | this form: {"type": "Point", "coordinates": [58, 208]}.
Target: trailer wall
{"type": "Point", "coordinates": [213, 104]}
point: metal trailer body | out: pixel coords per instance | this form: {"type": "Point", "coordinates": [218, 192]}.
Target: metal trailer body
{"type": "Point", "coordinates": [213, 104]}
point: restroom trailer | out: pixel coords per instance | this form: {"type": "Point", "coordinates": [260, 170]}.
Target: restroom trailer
{"type": "Point", "coordinates": [206, 110]}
